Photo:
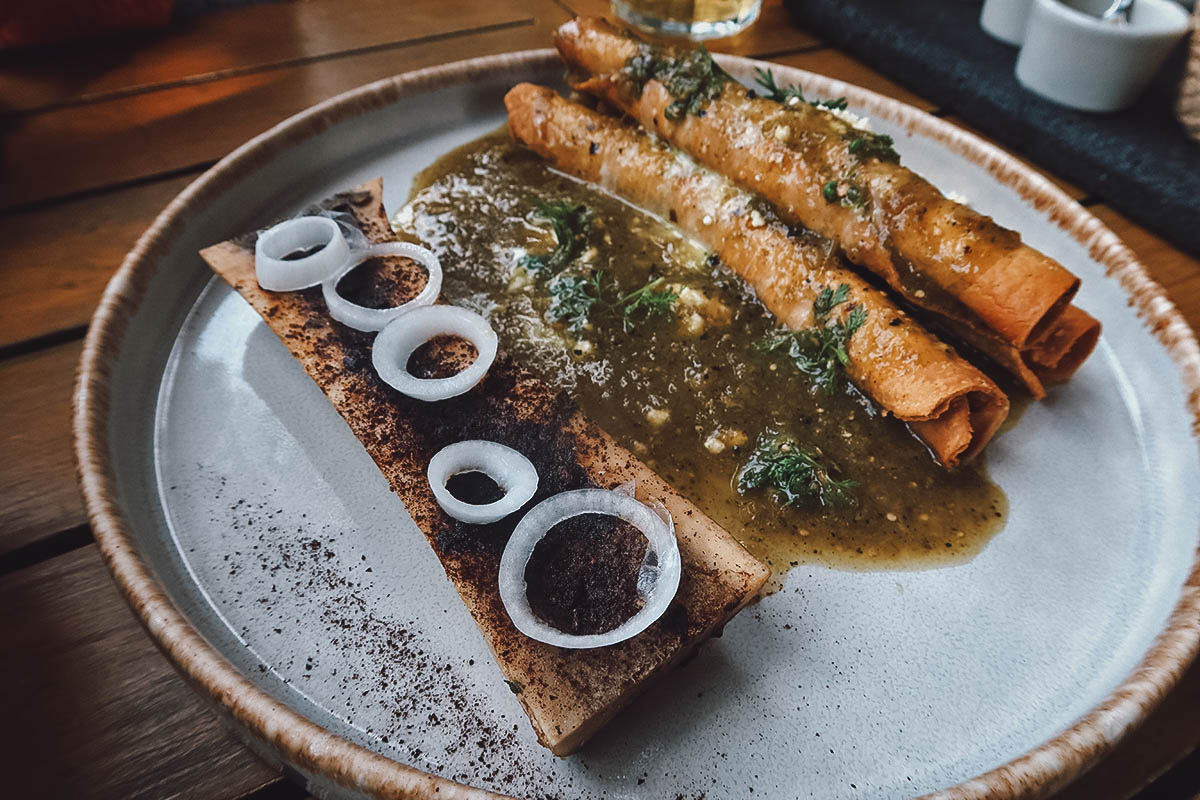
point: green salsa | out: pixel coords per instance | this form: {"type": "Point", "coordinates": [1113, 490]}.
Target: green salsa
{"type": "Point", "coordinates": [663, 347]}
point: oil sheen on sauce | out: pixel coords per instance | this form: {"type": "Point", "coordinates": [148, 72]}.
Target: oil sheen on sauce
{"type": "Point", "coordinates": [687, 390]}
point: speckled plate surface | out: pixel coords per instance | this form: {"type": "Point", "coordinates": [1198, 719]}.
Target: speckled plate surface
{"type": "Point", "coordinates": [263, 550]}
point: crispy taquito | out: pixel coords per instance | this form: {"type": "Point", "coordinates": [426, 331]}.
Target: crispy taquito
{"type": "Point", "coordinates": [975, 278]}
{"type": "Point", "coordinates": [907, 371]}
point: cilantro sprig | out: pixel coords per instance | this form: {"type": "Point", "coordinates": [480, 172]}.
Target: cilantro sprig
{"type": "Point", "coordinates": [573, 298]}
{"type": "Point", "coordinates": [571, 225]}
{"type": "Point", "coordinates": [820, 350]}
{"type": "Point", "coordinates": [645, 303]}
{"type": "Point", "coordinates": [798, 476]}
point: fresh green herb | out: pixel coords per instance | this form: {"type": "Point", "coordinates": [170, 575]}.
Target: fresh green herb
{"type": "Point", "coordinates": [839, 104]}
{"type": "Point", "coordinates": [820, 350]}
{"type": "Point", "coordinates": [788, 95]}
{"type": "Point", "coordinates": [873, 145]}
{"type": "Point", "coordinates": [571, 224]}
{"type": "Point", "coordinates": [844, 191]}
{"type": "Point", "coordinates": [691, 77]}
{"type": "Point", "coordinates": [794, 473]}
{"type": "Point", "coordinates": [645, 303]}
{"type": "Point", "coordinates": [573, 298]}
{"type": "Point", "coordinates": [516, 687]}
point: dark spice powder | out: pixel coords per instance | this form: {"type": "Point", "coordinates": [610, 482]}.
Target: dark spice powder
{"type": "Point", "coordinates": [582, 576]}
{"type": "Point", "coordinates": [474, 487]}
{"type": "Point", "coordinates": [378, 282]}
{"type": "Point", "coordinates": [441, 357]}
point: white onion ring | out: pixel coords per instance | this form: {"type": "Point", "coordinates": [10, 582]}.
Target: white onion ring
{"type": "Point", "coordinates": [278, 275]}
{"type": "Point", "coordinates": [658, 580]}
{"type": "Point", "coordinates": [510, 469]}
{"type": "Point", "coordinates": [398, 340]}
{"type": "Point", "coordinates": [362, 318]}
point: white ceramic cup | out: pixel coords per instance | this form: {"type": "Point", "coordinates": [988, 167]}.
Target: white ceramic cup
{"type": "Point", "coordinates": [1005, 19]}
{"type": "Point", "coordinates": [1072, 57]}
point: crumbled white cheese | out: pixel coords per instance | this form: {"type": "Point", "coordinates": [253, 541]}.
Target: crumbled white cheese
{"type": "Point", "coordinates": [689, 296]}
{"type": "Point", "coordinates": [520, 281]}
{"type": "Point", "coordinates": [782, 132]}
{"type": "Point", "coordinates": [958, 197]}
{"type": "Point", "coordinates": [714, 445]}
{"type": "Point", "coordinates": [756, 219]}
{"type": "Point", "coordinates": [855, 120]}
{"type": "Point", "coordinates": [657, 416]}
{"type": "Point", "coordinates": [707, 220]}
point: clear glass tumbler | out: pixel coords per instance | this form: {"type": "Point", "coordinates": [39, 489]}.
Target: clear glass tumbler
{"type": "Point", "coordinates": [695, 19]}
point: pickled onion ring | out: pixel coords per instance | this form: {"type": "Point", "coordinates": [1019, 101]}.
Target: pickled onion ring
{"type": "Point", "coordinates": [277, 273]}
{"type": "Point", "coordinates": [400, 338]}
{"type": "Point", "coordinates": [512, 472]}
{"type": "Point", "coordinates": [658, 580]}
{"type": "Point", "coordinates": [362, 318]}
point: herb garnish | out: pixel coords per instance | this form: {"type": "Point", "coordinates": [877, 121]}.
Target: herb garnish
{"type": "Point", "coordinates": [574, 298]}
{"type": "Point", "coordinates": [646, 302]}
{"type": "Point", "coordinates": [790, 95]}
{"type": "Point", "coordinates": [794, 473]}
{"type": "Point", "coordinates": [839, 104]}
{"type": "Point", "coordinates": [873, 145]}
{"type": "Point", "coordinates": [692, 77]}
{"type": "Point", "coordinates": [571, 224]}
{"type": "Point", "coordinates": [820, 350]}
{"type": "Point", "coordinates": [844, 191]}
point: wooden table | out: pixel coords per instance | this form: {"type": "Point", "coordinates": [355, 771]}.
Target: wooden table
{"type": "Point", "coordinates": [98, 138]}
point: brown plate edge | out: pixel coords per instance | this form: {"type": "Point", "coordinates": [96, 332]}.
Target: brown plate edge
{"type": "Point", "coordinates": [1045, 769]}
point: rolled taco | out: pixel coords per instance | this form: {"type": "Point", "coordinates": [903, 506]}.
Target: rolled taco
{"type": "Point", "coordinates": [975, 277]}
{"type": "Point", "coordinates": [907, 371]}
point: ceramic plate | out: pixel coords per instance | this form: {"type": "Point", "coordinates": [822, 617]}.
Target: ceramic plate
{"type": "Point", "coordinates": [266, 554]}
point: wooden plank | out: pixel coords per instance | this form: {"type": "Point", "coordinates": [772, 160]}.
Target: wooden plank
{"type": "Point", "coordinates": [773, 32]}
{"type": "Point", "coordinates": [92, 708]}
{"type": "Point", "coordinates": [836, 64]}
{"type": "Point", "coordinates": [57, 260]}
{"type": "Point", "coordinates": [38, 492]}
{"type": "Point", "coordinates": [70, 150]}
{"type": "Point", "coordinates": [1167, 736]}
{"type": "Point", "coordinates": [1178, 272]}
{"type": "Point", "coordinates": [1071, 189]}
{"type": "Point", "coordinates": [230, 42]}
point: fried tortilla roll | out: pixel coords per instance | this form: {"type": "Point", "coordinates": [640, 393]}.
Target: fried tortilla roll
{"type": "Point", "coordinates": [946, 401]}
{"type": "Point", "coordinates": [980, 281]}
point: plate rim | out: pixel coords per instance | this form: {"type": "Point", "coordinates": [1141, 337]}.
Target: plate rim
{"type": "Point", "coordinates": [298, 740]}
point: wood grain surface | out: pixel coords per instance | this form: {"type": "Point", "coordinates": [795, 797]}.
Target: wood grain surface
{"type": "Point", "coordinates": [59, 258]}
{"type": "Point", "coordinates": [103, 715]}
{"type": "Point", "coordinates": [37, 464]}
{"type": "Point", "coordinates": [250, 39]}
{"type": "Point", "coordinates": [98, 137]}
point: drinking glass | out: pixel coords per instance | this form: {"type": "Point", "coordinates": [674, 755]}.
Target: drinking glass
{"type": "Point", "coordinates": [695, 19]}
